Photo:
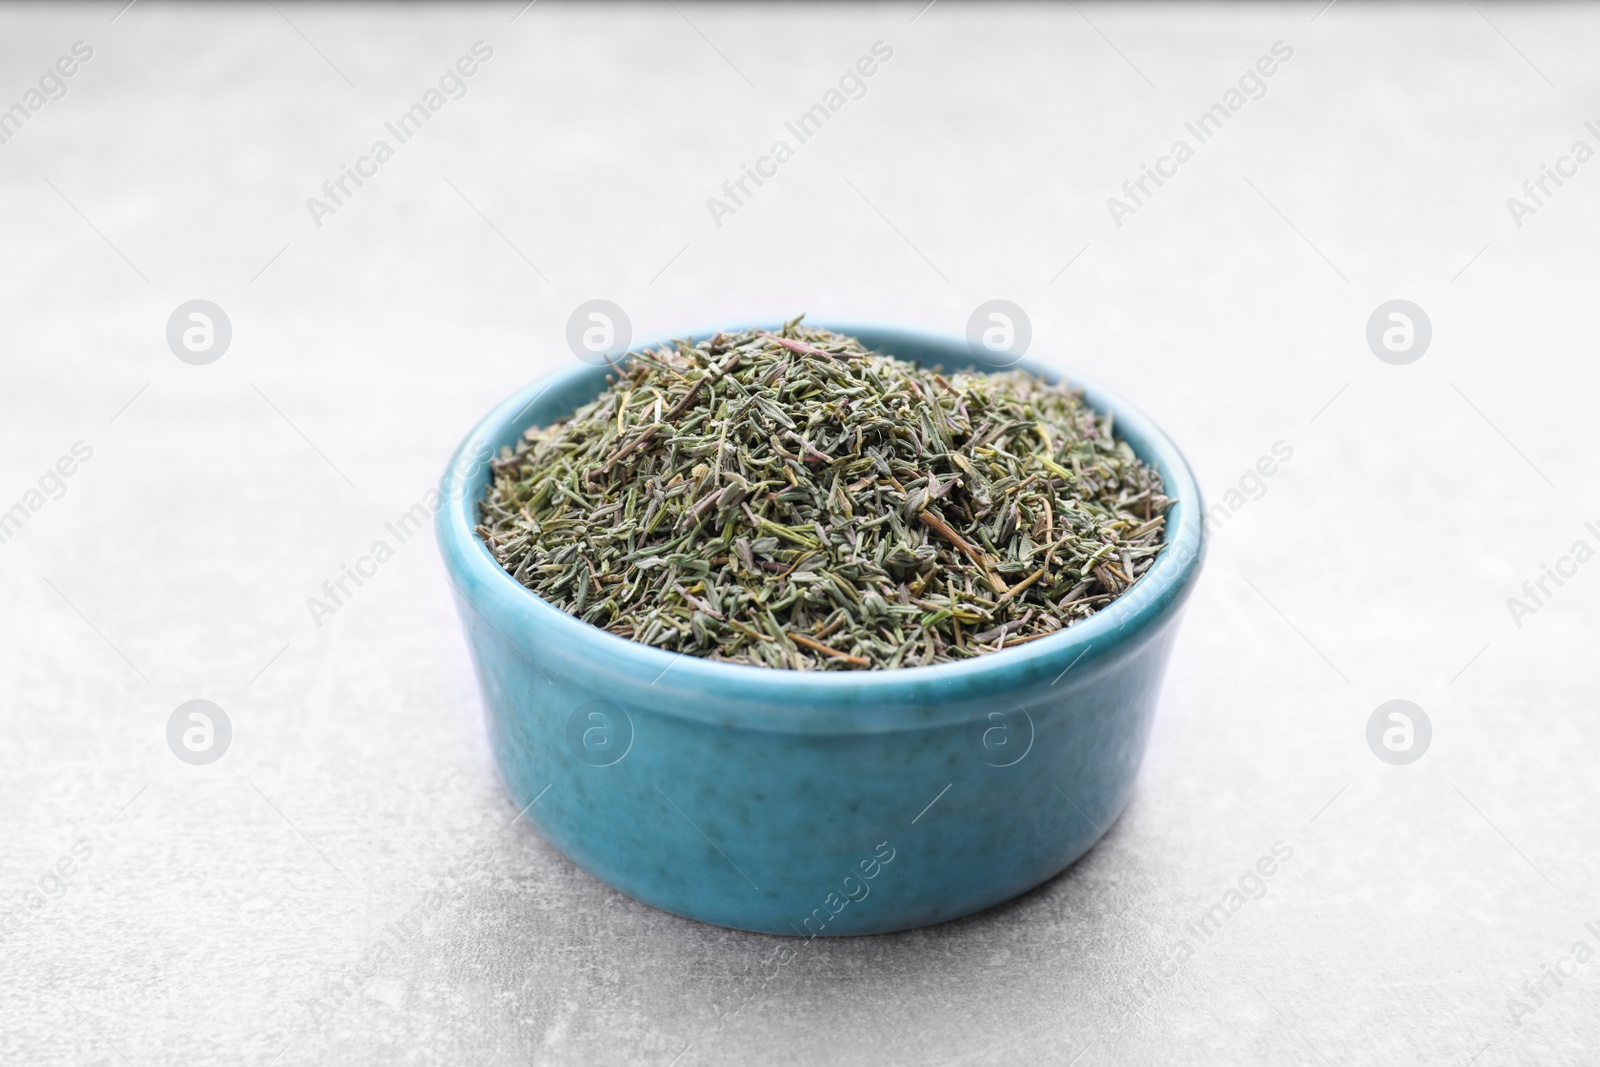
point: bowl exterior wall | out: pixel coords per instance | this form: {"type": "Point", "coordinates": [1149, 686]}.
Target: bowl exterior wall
{"type": "Point", "coordinates": [818, 834]}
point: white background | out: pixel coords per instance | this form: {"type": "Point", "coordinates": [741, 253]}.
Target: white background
{"type": "Point", "coordinates": [1232, 308]}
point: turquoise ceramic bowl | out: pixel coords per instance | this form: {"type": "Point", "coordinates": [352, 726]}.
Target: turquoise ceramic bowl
{"type": "Point", "coordinates": [814, 803]}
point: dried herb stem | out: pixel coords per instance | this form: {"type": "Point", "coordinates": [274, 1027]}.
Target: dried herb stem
{"type": "Point", "coordinates": [788, 499]}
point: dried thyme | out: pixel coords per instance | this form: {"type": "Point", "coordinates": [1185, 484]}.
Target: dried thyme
{"type": "Point", "coordinates": [791, 500]}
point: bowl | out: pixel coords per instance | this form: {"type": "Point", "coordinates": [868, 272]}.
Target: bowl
{"type": "Point", "coordinates": [815, 803]}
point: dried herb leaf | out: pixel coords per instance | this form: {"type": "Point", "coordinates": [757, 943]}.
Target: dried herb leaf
{"type": "Point", "coordinates": [791, 500]}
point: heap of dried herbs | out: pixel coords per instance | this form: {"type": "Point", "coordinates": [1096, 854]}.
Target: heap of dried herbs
{"type": "Point", "coordinates": [792, 500]}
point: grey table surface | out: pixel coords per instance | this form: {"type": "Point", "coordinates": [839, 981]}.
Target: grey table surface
{"type": "Point", "coordinates": [206, 909]}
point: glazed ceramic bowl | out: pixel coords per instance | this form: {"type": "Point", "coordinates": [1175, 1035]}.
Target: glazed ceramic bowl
{"type": "Point", "coordinates": [814, 803]}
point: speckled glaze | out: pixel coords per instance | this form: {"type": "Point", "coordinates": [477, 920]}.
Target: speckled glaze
{"type": "Point", "coordinates": [814, 803]}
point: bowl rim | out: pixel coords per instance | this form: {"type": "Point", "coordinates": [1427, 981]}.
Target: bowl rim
{"type": "Point", "coordinates": [1152, 601]}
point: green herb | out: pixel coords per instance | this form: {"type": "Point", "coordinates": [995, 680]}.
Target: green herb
{"type": "Point", "coordinates": [791, 500]}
